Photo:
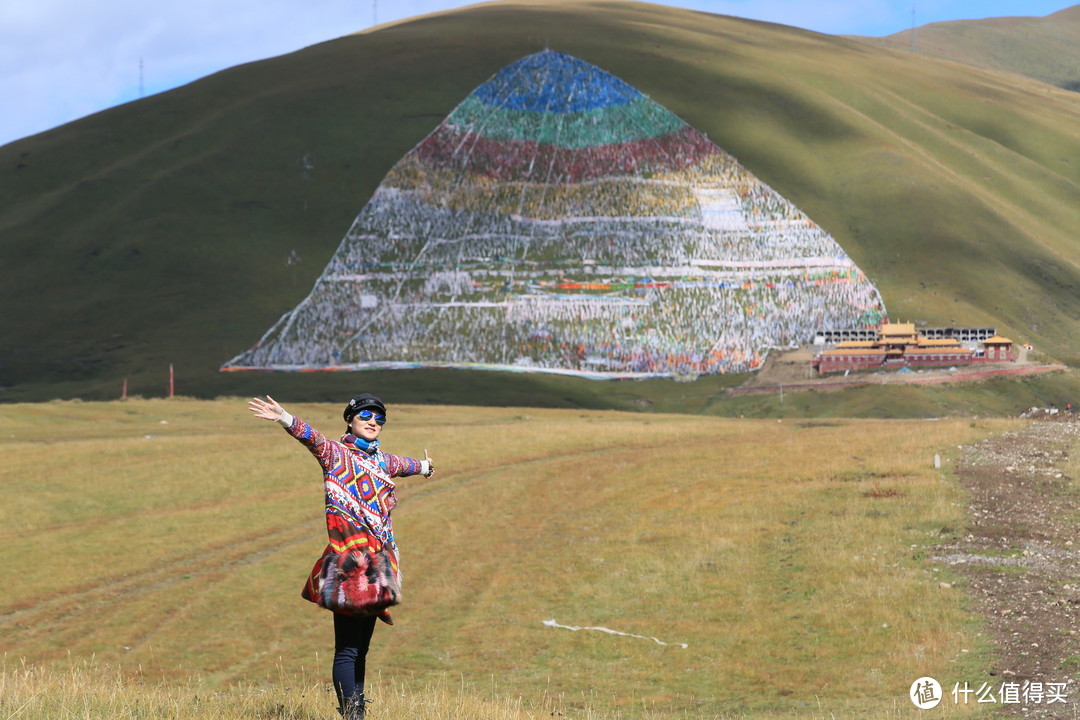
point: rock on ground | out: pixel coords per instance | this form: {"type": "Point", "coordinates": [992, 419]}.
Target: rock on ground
{"type": "Point", "coordinates": [1020, 555]}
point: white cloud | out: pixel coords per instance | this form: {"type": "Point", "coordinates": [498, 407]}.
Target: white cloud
{"type": "Point", "coordinates": [61, 60]}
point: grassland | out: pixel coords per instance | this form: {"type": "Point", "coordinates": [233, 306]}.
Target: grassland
{"type": "Point", "coordinates": [158, 232]}
{"type": "Point", "coordinates": [153, 551]}
{"type": "Point", "coordinates": [1044, 48]}
{"type": "Point", "coordinates": [94, 691]}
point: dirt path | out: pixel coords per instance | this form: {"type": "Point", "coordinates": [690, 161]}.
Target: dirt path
{"type": "Point", "coordinates": [1020, 556]}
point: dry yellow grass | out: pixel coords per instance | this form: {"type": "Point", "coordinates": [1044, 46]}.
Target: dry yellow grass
{"type": "Point", "coordinates": [169, 539]}
{"type": "Point", "coordinates": [95, 691]}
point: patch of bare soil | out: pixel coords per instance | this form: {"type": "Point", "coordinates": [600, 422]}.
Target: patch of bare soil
{"type": "Point", "coordinates": [1021, 558]}
{"type": "Point", "coordinates": [786, 367]}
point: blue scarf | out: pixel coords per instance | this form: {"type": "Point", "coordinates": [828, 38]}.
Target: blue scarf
{"type": "Point", "coordinates": [368, 446]}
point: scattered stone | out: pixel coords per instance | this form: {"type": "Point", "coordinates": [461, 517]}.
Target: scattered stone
{"type": "Point", "coordinates": [1016, 553]}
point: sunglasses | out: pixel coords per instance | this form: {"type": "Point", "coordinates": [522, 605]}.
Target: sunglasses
{"type": "Point", "coordinates": [366, 415]}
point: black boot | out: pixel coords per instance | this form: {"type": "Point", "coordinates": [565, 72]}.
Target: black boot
{"type": "Point", "coordinates": [355, 708]}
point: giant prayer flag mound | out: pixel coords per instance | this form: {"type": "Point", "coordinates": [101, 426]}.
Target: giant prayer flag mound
{"type": "Point", "coordinates": [559, 220]}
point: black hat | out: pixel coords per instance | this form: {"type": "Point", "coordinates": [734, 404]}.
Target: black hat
{"type": "Point", "coordinates": [361, 402]}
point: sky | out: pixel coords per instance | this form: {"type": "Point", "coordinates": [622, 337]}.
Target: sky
{"type": "Point", "coordinates": [64, 59]}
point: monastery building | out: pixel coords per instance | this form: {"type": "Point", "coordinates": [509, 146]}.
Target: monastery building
{"type": "Point", "coordinates": [900, 345]}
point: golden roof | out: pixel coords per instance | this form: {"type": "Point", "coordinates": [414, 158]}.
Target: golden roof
{"type": "Point", "coordinates": [959, 350]}
{"type": "Point", "coordinates": [856, 344]}
{"type": "Point", "coordinates": [854, 351]}
{"type": "Point", "coordinates": [898, 329]}
{"type": "Point", "coordinates": [997, 340]}
{"type": "Point", "coordinates": [950, 342]}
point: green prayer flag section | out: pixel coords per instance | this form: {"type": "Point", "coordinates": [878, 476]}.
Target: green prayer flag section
{"type": "Point", "coordinates": [638, 120]}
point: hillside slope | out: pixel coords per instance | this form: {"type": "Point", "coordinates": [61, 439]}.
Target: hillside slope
{"type": "Point", "coordinates": [175, 229]}
{"type": "Point", "coordinates": [1044, 48]}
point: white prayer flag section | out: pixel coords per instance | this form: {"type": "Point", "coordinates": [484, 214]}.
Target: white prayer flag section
{"type": "Point", "coordinates": [721, 210]}
{"type": "Point", "coordinates": [560, 221]}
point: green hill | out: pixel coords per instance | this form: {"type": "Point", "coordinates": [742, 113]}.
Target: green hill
{"type": "Point", "coordinates": [177, 228]}
{"type": "Point", "coordinates": [1043, 48]}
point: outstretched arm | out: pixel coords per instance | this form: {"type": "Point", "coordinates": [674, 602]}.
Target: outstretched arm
{"type": "Point", "coordinates": [402, 466]}
{"type": "Point", "coordinates": [268, 409]}
{"type": "Point", "coordinates": [325, 452]}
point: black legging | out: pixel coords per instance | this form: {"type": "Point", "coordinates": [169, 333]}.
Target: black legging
{"type": "Point", "coordinates": [352, 636]}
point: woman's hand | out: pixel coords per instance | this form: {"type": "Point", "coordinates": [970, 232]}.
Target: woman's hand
{"type": "Point", "coordinates": [266, 409]}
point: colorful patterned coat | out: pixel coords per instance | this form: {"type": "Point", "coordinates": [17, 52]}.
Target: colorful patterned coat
{"type": "Point", "coordinates": [359, 498]}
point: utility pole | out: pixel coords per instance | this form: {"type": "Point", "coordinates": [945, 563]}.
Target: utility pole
{"type": "Point", "coordinates": [912, 28]}
{"type": "Point", "coordinates": [374, 12]}
{"type": "Point", "coordinates": [141, 86]}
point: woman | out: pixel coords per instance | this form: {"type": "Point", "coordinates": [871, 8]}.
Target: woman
{"type": "Point", "coordinates": [357, 575]}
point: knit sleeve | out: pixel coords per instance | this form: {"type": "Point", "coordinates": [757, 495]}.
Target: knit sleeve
{"type": "Point", "coordinates": [325, 451]}
{"type": "Point", "coordinates": [401, 466]}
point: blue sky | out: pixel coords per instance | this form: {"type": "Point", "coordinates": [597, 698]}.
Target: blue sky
{"type": "Point", "coordinates": [63, 59]}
